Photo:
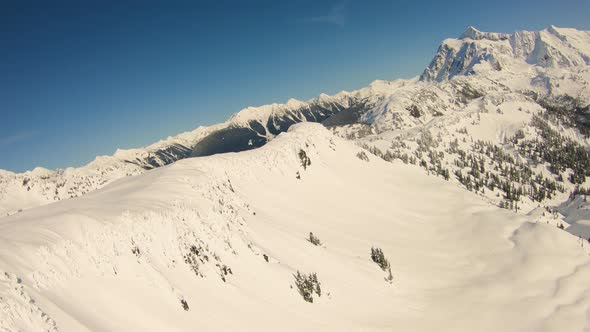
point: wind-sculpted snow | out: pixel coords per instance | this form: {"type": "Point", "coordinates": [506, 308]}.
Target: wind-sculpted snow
{"type": "Point", "coordinates": [213, 243]}
{"type": "Point", "coordinates": [18, 311]}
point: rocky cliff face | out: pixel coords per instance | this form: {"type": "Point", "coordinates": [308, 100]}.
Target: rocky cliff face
{"type": "Point", "coordinates": [551, 48]}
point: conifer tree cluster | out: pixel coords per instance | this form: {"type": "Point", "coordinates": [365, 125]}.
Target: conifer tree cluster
{"type": "Point", "coordinates": [362, 156]}
{"type": "Point", "coordinates": [569, 111]}
{"type": "Point", "coordinates": [307, 285]}
{"type": "Point", "coordinates": [510, 170]}
{"type": "Point", "coordinates": [559, 151]}
{"type": "Point", "coordinates": [490, 166]}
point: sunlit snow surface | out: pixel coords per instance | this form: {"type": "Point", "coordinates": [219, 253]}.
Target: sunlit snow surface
{"type": "Point", "coordinates": [124, 248]}
{"type": "Point", "coordinates": [115, 259]}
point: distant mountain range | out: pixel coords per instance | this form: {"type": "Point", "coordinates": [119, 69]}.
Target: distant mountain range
{"type": "Point", "coordinates": [548, 67]}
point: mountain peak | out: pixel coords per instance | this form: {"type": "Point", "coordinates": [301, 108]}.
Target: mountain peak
{"type": "Point", "coordinates": [294, 103]}
{"type": "Point", "coordinates": [470, 32]}
{"type": "Point", "coordinates": [553, 47]}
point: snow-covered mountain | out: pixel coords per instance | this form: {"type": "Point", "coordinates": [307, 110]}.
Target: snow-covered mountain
{"type": "Point", "coordinates": [250, 128]}
{"type": "Point", "coordinates": [216, 243]}
{"type": "Point", "coordinates": [541, 68]}
{"type": "Point", "coordinates": [550, 48]}
{"type": "Point", "coordinates": [465, 176]}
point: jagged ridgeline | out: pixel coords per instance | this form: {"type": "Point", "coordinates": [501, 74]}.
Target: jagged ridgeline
{"type": "Point", "coordinates": [251, 128]}
{"type": "Point", "coordinates": [245, 134]}
{"type": "Point", "coordinates": [474, 103]}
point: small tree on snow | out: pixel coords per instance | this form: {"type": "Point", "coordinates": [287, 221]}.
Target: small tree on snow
{"type": "Point", "coordinates": [378, 257]}
{"type": "Point", "coordinates": [184, 304]}
{"type": "Point", "coordinates": [362, 156]}
{"type": "Point", "coordinates": [314, 239]}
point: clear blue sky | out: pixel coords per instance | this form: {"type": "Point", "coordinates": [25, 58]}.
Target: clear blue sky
{"type": "Point", "coordinates": [83, 78]}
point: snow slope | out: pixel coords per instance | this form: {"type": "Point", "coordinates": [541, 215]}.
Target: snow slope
{"type": "Point", "coordinates": [123, 258]}
{"type": "Point", "coordinates": [577, 216]}
{"type": "Point", "coordinates": [41, 186]}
